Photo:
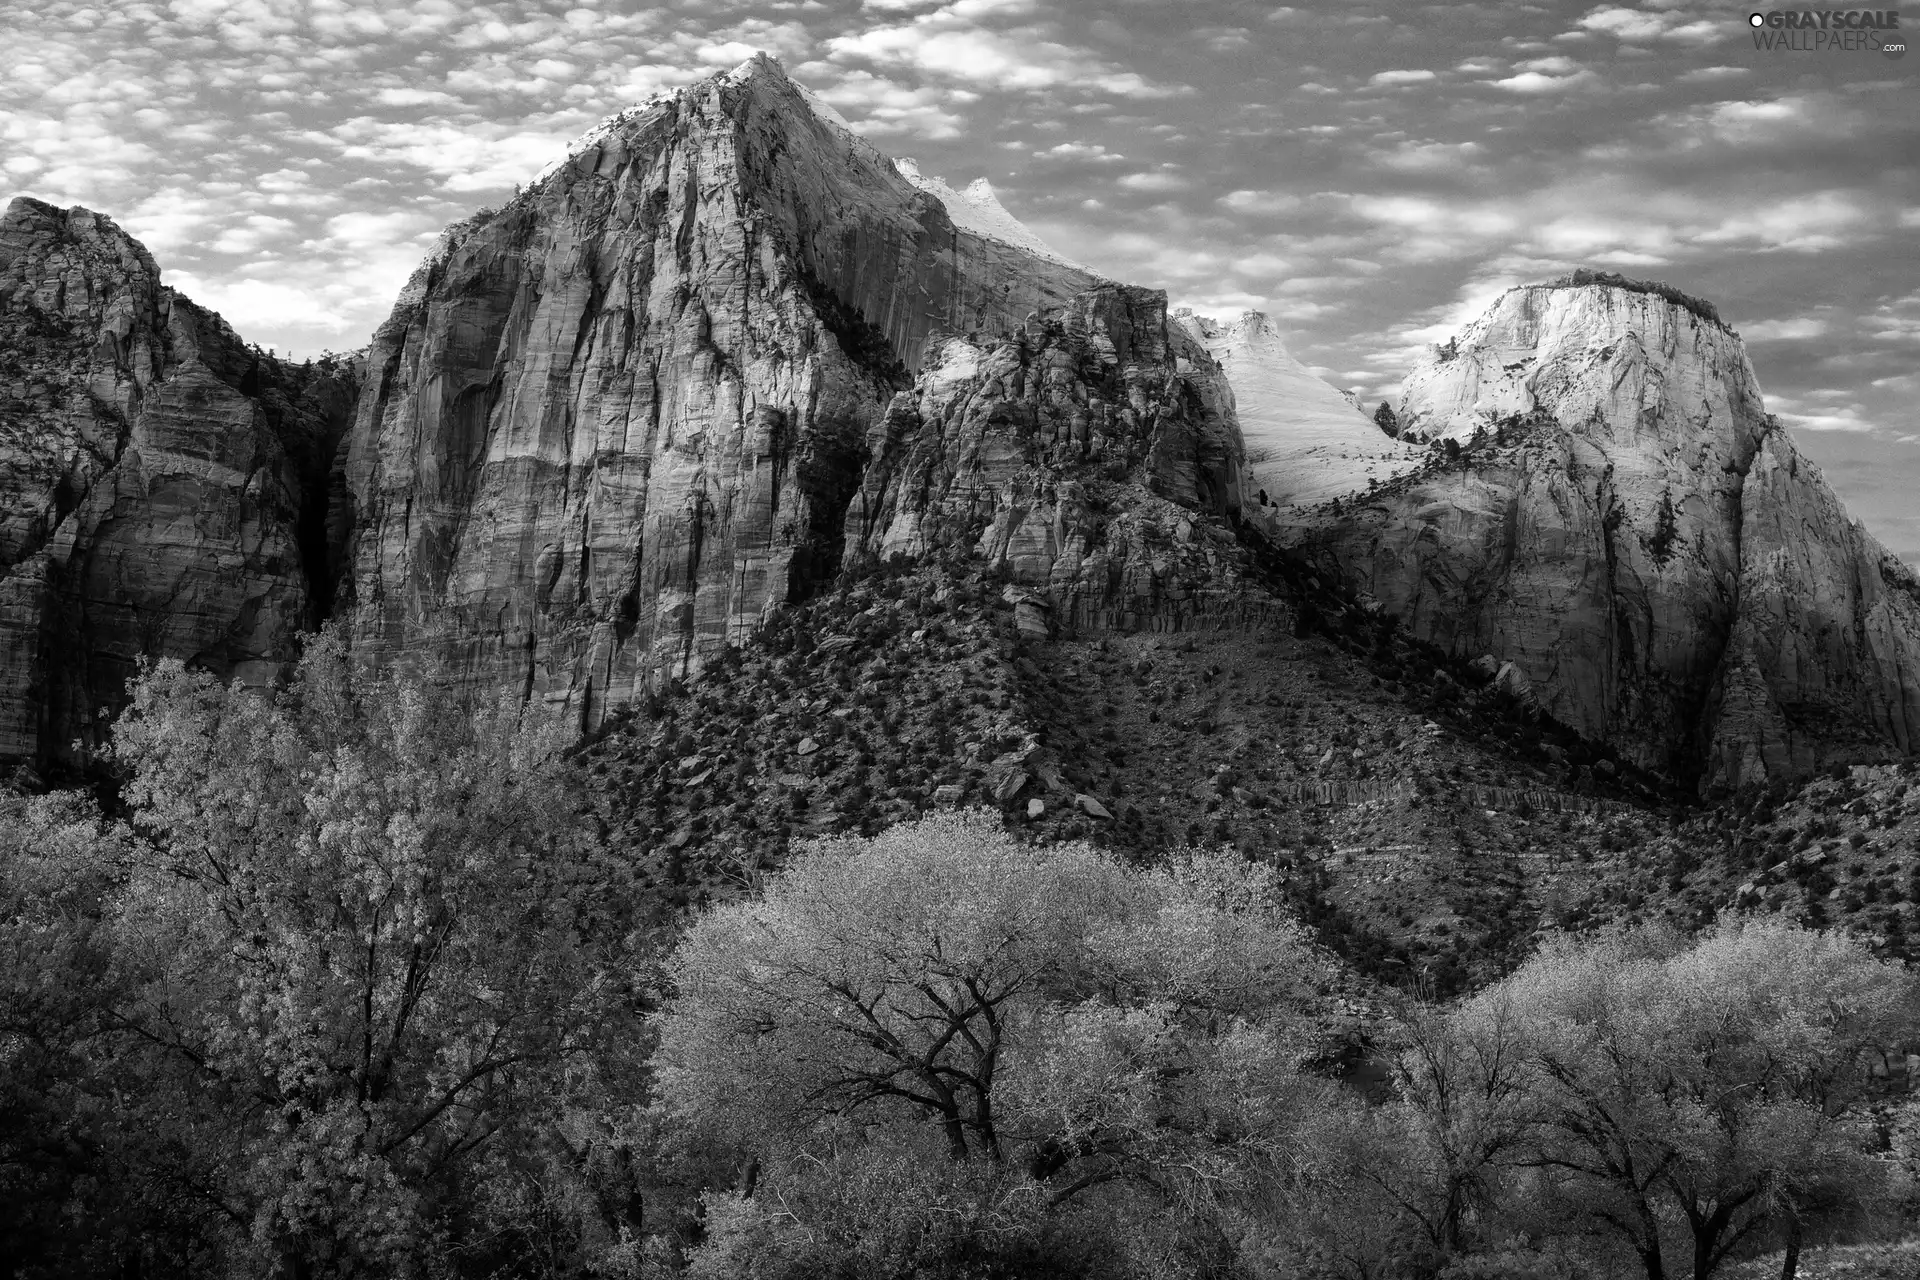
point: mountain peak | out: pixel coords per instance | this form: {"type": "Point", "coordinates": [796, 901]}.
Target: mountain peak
{"type": "Point", "coordinates": [760, 65]}
{"type": "Point", "coordinates": [977, 208]}
{"type": "Point", "coordinates": [1562, 337]}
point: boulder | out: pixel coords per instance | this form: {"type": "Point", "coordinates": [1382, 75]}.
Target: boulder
{"type": "Point", "coordinates": [1093, 808]}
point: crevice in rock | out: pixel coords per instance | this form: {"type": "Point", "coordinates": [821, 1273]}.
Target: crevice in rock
{"type": "Point", "coordinates": [826, 477]}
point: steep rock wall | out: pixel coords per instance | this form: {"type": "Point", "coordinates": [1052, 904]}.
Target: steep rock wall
{"type": "Point", "coordinates": [1602, 509]}
{"type": "Point", "coordinates": [162, 487]}
{"type": "Point", "coordinates": [1823, 665]}
{"type": "Point", "coordinates": [608, 428]}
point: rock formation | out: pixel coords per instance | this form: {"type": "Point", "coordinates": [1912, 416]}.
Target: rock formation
{"type": "Point", "coordinates": [1306, 441]}
{"type": "Point", "coordinates": [1608, 510]}
{"type": "Point", "coordinates": [724, 345]}
{"type": "Point", "coordinates": [1823, 664]}
{"type": "Point", "coordinates": [162, 487]}
{"type": "Point", "coordinates": [1093, 456]}
{"type": "Point", "coordinates": [612, 426]}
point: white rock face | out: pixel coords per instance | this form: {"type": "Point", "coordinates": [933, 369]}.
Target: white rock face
{"type": "Point", "coordinates": [1306, 442]}
{"type": "Point", "coordinates": [1620, 520]}
{"type": "Point", "coordinates": [977, 209]}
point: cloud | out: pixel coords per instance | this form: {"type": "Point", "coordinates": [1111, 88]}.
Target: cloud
{"type": "Point", "coordinates": [1249, 201]}
{"type": "Point", "coordinates": [1557, 65]}
{"type": "Point", "coordinates": [1161, 180]}
{"type": "Point", "coordinates": [1080, 151]}
{"type": "Point", "coordinates": [1701, 75]}
{"type": "Point", "coordinates": [1389, 78]}
{"type": "Point", "coordinates": [1642, 25]}
{"type": "Point", "coordinates": [950, 44]}
{"type": "Point", "coordinates": [1539, 82]}
{"type": "Point", "coordinates": [1791, 330]}
{"type": "Point", "coordinates": [1846, 419]}
{"type": "Point", "coordinates": [1429, 157]}
{"type": "Point", "coordinates": [881, 107]}
{"type": "Point", "coordinates": [1803, 224]}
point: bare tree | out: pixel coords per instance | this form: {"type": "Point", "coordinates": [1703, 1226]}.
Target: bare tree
{"type": "Point", "coordinates": [1696, 1096]}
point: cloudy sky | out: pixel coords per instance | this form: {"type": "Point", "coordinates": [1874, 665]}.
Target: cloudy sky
{"type": "Point", "coordinates": [1369, 173]}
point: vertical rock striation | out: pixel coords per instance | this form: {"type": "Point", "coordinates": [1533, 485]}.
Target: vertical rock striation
{"type": "Point", "coordinates": [162, 487]}
{"type": "Point", "coordinates": [611, 426]}
{"type": "Point", "coordinates": [1608, 508]}
{"type": "Point", "coordinates": [1823, 664]}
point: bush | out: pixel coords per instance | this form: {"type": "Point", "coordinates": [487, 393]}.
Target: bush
{"type": "Point", "coordinates": [1584, 276]}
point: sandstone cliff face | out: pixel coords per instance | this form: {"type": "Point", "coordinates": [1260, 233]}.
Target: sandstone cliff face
{"type": "Point", "coordinates": [1604, 509]}
{"type": "Point", "coordinates": [1823, 665]}
{"type": "Point", "coordinates": [609, 428]}
{"type": "Point", "coordinates": [1093, 456]}
{"type": "Point", "coordinates": [161, 486]}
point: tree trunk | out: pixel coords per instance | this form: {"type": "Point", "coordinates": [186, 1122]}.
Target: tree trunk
{"type": "Point", "coordinates": [1650, 1258]}
{"type": "Point", "coordinates": [956, 1138]}
{"type": "Point", "coordinates": [1706, 1236]}
{"type": "Point", "coordinates": [1790, 1262]}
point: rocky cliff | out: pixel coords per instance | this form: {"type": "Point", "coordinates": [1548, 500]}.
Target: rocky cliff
{"type": "Point", "coordinates": [724, 347]}
{"type": "Point", "coordinates": [162, 486]}
{"type": "Point", "coordinates": [1608, 512]}
{"type": "Point", "coordinates": [1093, 456]}
{"type": "Point", "coordinates": [610, 427]}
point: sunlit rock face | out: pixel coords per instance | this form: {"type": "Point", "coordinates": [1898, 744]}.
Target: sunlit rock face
{"type": "Point", "coordinates": [1608, 508]}
{"type": "Point", "coordinates": [609, 428]}
{"type": "Point", "coordinates": [1306, 442]}
{"type": "Point", "coordinates": [162, 487]}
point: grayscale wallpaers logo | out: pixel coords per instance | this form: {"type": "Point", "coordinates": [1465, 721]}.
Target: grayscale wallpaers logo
{"type": "Point", "coordinates": [1829, 31]}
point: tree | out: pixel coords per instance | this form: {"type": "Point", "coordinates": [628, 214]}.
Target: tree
{"type": "Point", "coordinates": [1697, 1095]}
{"type": "Point", "coordinates": [372, 939]}
{"type": "Point", "coordinates": [1386, 419]}
{"type": "Point", "coordinates": [59, 864]}
{"type": "Point", "coordinates": [1042, 1008]}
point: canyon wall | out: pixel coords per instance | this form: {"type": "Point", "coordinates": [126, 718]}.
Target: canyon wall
{"type": "Point", "coordinates": [162, 486]}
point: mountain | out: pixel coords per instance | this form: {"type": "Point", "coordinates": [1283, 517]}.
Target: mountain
{"type": "Point", "coordinates": [162, 485]}
{"type": "Point", "coordinates": [1609, 514]}
{"type": "Point", "coordinates": [609, 429]}
{"type": "Point", "coordinates": [1306, 441]}
{"type": "Point", "coordinates": [724, 355]}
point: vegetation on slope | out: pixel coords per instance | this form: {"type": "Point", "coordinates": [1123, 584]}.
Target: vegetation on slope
{"type": "Point", "coordinates": [1585, 276]}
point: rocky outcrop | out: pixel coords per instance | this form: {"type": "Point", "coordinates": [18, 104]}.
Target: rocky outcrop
{"type": "Point", "coordinates": [1823, 664]}
{"type": "Point", "coordinates": [609, 428]}
{"type": "Point", "coordinates": [1608, 510]}
{"type": "Point", "coordinates": [1306, 441]}
{"type": "Point", "coordinates": [162, 486]}
{"type": "Point", "coordinates": [1093, 457]}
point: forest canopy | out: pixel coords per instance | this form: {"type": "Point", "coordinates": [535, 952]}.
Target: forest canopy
{"type": "Point", "coordinates": [345, 980]}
